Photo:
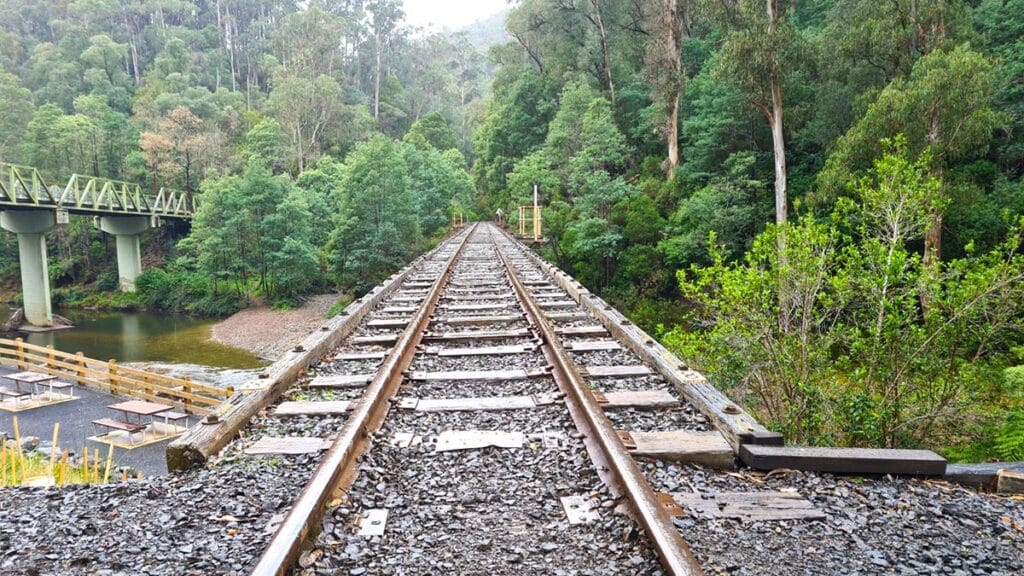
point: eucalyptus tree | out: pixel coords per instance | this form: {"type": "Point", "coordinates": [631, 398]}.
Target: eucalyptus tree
{"type": "Point", "coordinates": [943, 106]}
{"type": "Point", "coordinates": [376, 230]}
{"type": "Point", "coordinates": [760, 49]}
{"type": "Point", "coordinates": [666, 72]}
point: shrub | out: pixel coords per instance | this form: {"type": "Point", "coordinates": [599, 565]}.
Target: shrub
{"type": "Point", "coordinates": [845, 335]}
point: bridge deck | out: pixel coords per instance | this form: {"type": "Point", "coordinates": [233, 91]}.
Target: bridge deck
{"type": "Point", "coordinates": [24, 187]}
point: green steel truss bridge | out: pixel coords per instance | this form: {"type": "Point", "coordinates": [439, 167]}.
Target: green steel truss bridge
{"type": "Point", "coordinates": [23, 187]}
{"type": "Point", "coordinates": [31, 207]}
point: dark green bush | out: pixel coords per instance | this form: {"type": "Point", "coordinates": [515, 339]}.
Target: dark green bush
{"type": "Point", "coordinates": [182, 291]}
{"type": "Point", "coordinates": [107, 281]}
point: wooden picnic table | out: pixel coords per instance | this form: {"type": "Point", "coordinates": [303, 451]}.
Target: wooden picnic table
{"type": "Point", "coordinates": [139, 409]}
{"type": "Point", "coordinates": [33, 378]}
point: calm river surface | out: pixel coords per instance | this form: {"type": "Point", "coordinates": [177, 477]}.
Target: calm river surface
{"type": "Point", "coordinates": [142, 338]}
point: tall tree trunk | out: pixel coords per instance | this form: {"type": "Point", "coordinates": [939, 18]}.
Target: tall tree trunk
{"type": "Point", "coordinates": [133, 50]}
{"type": "Point", "coordinates": [933, 236]}
{"type": "Point", "coordinates": [672, 136]}
{"type": "Point", "coordinates": [667, 73]}
{"type": "Point", "coordinates": [188, 171]}
{"type": "Point", "coordinates": [220, 41]}
{"type": "Point", "coordinates": [779, 152]}
{"type": "Point", "coordinates": [229, 41]}
{"type": "Point", "coordinates": [376, 80]}
{"type": "Point", "coordinates": [86, 258]}
{"type": "Point", "coordinates": [778, 142]}
{"type": "Point", "coordinates": [599, 20]}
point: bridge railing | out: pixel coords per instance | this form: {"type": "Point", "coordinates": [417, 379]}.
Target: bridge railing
{"type": "Point", "coordinates": [25, 186]}
{"type": "Point", "coordinates": [182, 393]}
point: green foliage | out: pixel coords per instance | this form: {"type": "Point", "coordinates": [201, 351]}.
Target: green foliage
{"type": "Point", "coordinates": [944, 105]}
{"type": "Point", "coordinates": [1008, 436]}
{"type": "Point", "coordinates": [266, 143]}
{"type": "Point", "coordinates": [717, 115]}
{"type": "Point", "coordinates": [176, 290]}
{"type": "Point", "coordinates": [727, 206]}
{"type": "Point", "coordinates": [435, 131]}
{"type": "Point", "coordinates": [514, 125]}
{"type": "Point", "coordinates": [434, 183]}
{"type": "Point", "coordinates": [377, 229]}
{"type": "Point", "coordinates": [251, 228]}
{"type": "Point", "coordinates": [15, 112]}
{"type": "Point", "coordinates": [830, 339]}
{"type": "Point", "coordinates": [1002, 23]}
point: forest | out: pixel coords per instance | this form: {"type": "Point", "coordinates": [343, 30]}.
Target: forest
{"type": "Point", "coordinates": [325, 144]}
{"type": "Point", "coordinates": [818, 203]}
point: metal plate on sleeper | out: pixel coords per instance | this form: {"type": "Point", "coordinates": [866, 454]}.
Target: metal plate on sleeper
{"type": "Point", "coordinates": [373, 522]}
{"type": "Point", "coordinates": [475, 439]}
{"type": "Point", "coordinates": [580, 510]}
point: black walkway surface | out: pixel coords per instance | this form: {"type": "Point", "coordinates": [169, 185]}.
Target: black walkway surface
{"type": "Point", "coordinates": [75, 419]}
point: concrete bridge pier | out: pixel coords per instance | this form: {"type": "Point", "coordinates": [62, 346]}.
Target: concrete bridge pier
{"type": "Point", "coordinates": [126, 229]}
{"type": "Point", "coordinates": [31, 227]}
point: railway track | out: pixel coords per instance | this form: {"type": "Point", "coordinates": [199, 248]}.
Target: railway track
{"type": "Point", "coordinates": [495, 403]}
{"type": "Point", "coordinates": [482, 415]}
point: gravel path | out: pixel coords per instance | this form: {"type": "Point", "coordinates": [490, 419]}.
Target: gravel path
{"type": "Point", "coordinates": [270, 333]}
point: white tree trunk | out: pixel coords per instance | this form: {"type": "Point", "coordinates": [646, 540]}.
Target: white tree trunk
{"type": "Point", "coordinates": [376, 83]}
{"type": "Point", "coordinates": [779, 150]}
{"type": "Point", "coordinates": [778, 141]}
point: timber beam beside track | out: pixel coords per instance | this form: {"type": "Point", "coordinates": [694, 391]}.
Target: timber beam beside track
{"type": "Point", "coordinates": [205, 439]}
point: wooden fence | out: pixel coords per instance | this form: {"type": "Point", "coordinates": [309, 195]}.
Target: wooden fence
{"type": "Point", "coordinates": [182, 393]}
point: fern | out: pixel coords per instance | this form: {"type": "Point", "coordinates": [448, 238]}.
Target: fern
{"type": "Point", "coordinates": [1009, 440]}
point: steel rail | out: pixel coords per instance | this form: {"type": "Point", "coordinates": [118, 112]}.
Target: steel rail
{"type": "Point", "coordinates": [675, 554]}
{"type": "Point", "coordinates": [338, 468]}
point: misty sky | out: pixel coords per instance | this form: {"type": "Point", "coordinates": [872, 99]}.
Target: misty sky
{"type": "Point", "coordinates": [449, 13]}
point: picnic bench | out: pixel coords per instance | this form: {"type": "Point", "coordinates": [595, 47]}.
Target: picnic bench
{"type": "Point", "coordinates": [16, 393]}
{"type": "Point", "coordinates": [23, 380]}
{"type": "Point", "coordinates": [174, 417]}
{"type": "Point", "coordinates": [140, 410]}
{"type": "Point", "coordinates": [114, 424]}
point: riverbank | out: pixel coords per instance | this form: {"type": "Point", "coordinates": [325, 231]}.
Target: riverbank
{"type": "Point", "coordinates": [269, 333]}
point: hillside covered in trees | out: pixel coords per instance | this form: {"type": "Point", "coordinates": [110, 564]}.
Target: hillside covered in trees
{"type": "Point", "coordinates": [816, 202]}
{"type": "Point", "coordinates": [325, 144]}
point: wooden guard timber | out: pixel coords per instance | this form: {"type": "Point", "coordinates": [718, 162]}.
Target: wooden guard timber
{"type": "Point", "coordinates": [182, 393]}
{"type": "Point", "coordinates": [207, 439]}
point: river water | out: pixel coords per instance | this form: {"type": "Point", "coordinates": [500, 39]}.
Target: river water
{"type": "Point", "coordinates": [174, 345]}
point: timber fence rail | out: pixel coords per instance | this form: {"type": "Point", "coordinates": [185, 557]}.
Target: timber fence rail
{"type": "Point", "coordinates": [182, 393]}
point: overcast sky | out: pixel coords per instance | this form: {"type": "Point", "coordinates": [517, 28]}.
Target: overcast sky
{"type": "Point", "coordinates": [451, 14]}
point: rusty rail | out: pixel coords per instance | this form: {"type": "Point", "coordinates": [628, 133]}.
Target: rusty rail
{"type": "Point", "coordinates": [340, 464]}
{"type": "Point", "coordinates": [675, 554]}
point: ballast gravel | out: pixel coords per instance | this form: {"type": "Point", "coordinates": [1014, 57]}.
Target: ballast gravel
{"type": "Point", "coordinates": [873, 526]}
{"type": "Point", "coordinates": [210, 521]}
